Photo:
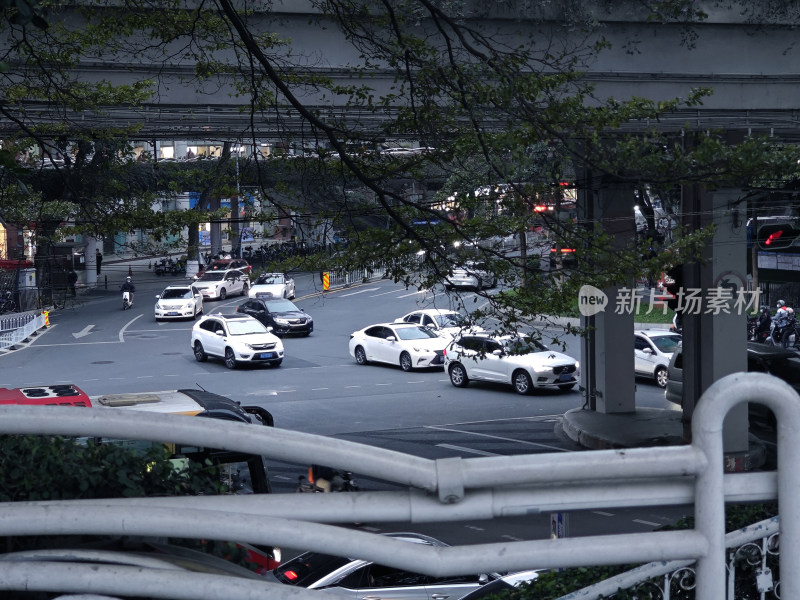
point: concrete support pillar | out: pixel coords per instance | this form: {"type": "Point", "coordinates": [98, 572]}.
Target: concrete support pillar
{"type": "Point", "coordinates": [607, 366]}
{"type": "Point", "coordinates": [91, 261]}
{"type": "Point", "coordinates": [715, 341]}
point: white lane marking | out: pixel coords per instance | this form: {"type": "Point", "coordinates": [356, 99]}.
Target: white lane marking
{"type": "Point", "coordinates": [359, 292]}
{"type": "Point", "coordinates": [128, 324]}
{"type": "Point", "coordinates": [83, 332]}
{"type": "Point", "coordinates": [421, 381]}
{"type": "Point", "coordinates": [412, 294]}
{"type": "Point", "coordinates": [383, 293]}
{"type": "Point", "coordinates": [650, 523]}
{"type": "Point", "coordinates": [286, 391]}
{"type": "Point", "coordinates": [474, 527]}
{"type": "Point", "coordinates": [352, 386]}
{"type": "Point", "coordinates": [469, 450]}
{"type": "Point", "coordinates": [318, 389]}
{"type": "Point", "coordinates": [497, 437]}
{"type": "Point", "coordinates": [384, 384]}
{"type": "Point", "coordinates": [602, 513]}
{"type": "Point", "coordinates": [512, 538]}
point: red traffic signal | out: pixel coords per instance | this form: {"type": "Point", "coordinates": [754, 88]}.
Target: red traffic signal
{"type": "Point", "coordinates": [776, 237]}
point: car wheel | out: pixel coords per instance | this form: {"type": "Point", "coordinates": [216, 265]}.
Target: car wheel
{"type": "Point", "coordinates": [230, 358]}
{"type": "Point", "coordinates": [361, 356]}
{"type": "Point", "coordinates": [522, 382]}
{"type": "Point", "coordinates": [566, 387]}
{"type": "Point", "coordinates": [276, 364]}
{"type": "Point", "coordinates": [245, 289]}
{"type": "Point", "coordinates": [405, 361]}
{"type": "Point", "coordinates": [293, 296]}
{"type": "Point", "coordinates": [661, 376]}
{"type": "Point", "coordinates": [458, 375]}
{"type": "Point", "coordinates": [306, 334]}
{"type": "Point", "coordinates": [223, 293]}
{"type": "Point", "coordinates": [199, 354]}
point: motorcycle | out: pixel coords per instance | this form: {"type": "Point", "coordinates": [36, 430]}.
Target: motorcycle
{"type": "Point", "coordinates": [787, 331]}
{"type": "Point", "coordinates": [127, 300]}
{"type": "Point", "coordinates": [161, 267]}
{"type": "Point", "coordinates": [759, 328]}
{"type": "Point", "coordinates": [325, 479]}
{"type": "Point", "coordinates": [7, 303]}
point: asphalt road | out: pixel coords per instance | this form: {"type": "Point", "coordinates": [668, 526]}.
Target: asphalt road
{"type": "Point", "coordinates": [320, 389]}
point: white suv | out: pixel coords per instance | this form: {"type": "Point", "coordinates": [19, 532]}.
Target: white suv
{"type": "Point", "coordinates": [517, 360]}
{"type": "Point", "coordinates": [471, 275]}
{"type": "Point", "coordinates": [221, 284]}
{"type": "Point", "coordinates": [236, 339]}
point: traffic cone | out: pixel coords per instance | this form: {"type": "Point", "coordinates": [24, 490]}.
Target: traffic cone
{"type": "Point", "coordinates": [46, 314]}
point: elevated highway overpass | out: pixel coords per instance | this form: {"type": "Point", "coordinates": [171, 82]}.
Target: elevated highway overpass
{"type": "Point", "coordinates": [752, 68]}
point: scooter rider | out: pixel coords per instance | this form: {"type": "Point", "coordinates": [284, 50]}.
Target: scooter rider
{"type": "Point", "coordinates": [128, 287]}
{"type": "Point", "coordinates": [782, 320]}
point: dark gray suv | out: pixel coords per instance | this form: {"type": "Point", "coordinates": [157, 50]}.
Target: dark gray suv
{"type": "Point", "coordinates": [761, 358]}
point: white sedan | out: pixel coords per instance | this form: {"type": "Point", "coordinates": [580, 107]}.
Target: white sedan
{"type": "Point", "coordinates": [446, 323]}
{"type": "Point", "coordinates": [517, 360]}
{"type": "Point", "coordinates": [179, 302]}
{"type": "Point", "coordinates": [276, 284]}
{"type": "Point", "coordinates": [406, 344]}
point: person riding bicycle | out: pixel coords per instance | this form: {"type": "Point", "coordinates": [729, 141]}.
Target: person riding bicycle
{"type": "Point", "coordinates": [128, 287]}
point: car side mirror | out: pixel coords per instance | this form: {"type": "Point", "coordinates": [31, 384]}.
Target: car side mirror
{"type": "Point", "coordinates": [220, 333]}
{"type": "Point", "coordinates": [158, 296]}
{"type": "Point", "coordinates": [391, 338]}
{"type": "Point", "coordinates": [498, 352]}
{"type": "Point", "coordinates": [648, 351]}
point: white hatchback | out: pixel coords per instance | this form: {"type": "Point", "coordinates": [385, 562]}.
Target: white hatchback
{"type": "Point", "coordinates": [235, 339]}
{"type": "Point", "coordinates": [517, 360]}
{"type": "Point", "coordinates": [406, 344]}
{"type": "Point", "coordinates": [179, 302]}
{"type": "Point", "coordinates": [652, 350]}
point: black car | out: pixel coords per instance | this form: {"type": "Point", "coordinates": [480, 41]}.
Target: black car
{"type": "Point", "coordinates": [280, 314]}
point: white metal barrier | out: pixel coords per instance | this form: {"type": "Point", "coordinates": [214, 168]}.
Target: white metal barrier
{"type": "Point", "coordinates": [20, 327]}
{"type": "Point", "coordinates": [442, 490]}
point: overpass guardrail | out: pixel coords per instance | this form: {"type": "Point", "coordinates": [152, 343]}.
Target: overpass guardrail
{"type": "Point", "coordinates": [442, 490]}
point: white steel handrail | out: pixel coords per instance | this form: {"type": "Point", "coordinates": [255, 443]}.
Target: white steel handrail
{"type": "Point", "coordinates": [492, 486]}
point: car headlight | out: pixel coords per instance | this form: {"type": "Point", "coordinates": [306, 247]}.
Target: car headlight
{"type": "Point", "coordinates": [188, 305]}
{"type": "Point", "coordinates": [282, 321]}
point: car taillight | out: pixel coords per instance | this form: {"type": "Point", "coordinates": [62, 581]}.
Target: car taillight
{"type": "Point", "coordinates": [445, 352]}
{"type": "Point", "coordinates": [290, 575]}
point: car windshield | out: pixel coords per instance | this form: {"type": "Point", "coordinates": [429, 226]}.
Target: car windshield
{"type": "Point", "coordinates": [414, 333]}
{"type": "Point", "coordinates": [176, 294]}
{"type": "Point", "coordinates": [246, 327]}
{"type": "Point", "coordinates": [218, 276]}
{"type": "Point", "coordinates": [451, 320]}
{"type": "Point", "coordinates": [523, 345]}
{"type": "Point", "coordinates": [272, 278]}
{"type": "Point", "coordinates": [666, 343]}
{"type": "Point", "coordinates": [280, 306]}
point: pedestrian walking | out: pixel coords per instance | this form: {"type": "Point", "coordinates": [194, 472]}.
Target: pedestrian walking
{"type": "Point", "coordinates": [72, 279]}
{"type": "Point", "coordinates": [99, 258]}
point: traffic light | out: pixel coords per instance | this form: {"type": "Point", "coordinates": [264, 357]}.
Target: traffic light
{"type": "Point", "coordinates": [776, 237]}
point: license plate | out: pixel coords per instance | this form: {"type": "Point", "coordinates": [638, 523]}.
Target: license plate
{"type": "Point", "coordinates": [266, 355]}
{"type": "Point", "coordinates": [565, 377]}
{"type": "Point", "coordinates": [173, 314]}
